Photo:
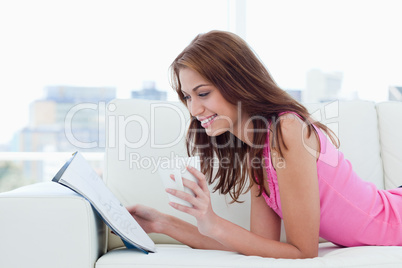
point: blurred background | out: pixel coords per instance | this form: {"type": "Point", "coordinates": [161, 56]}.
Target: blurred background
{"type": "Point", "coordinates": [57, 54]}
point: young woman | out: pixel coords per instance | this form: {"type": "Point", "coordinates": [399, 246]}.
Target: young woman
{"type": "Point", "coordinates": [285, 160]}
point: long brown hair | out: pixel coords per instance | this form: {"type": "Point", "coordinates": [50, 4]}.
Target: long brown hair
{"type": "Point", "coordinates": [228, 63]}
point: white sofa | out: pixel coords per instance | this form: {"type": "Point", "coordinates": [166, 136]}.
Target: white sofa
{"type": "Point", "coordinates": [46, 225]}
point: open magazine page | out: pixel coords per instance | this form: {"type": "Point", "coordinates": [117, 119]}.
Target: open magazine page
{"type": "Point", "coordinates": [80, 176]}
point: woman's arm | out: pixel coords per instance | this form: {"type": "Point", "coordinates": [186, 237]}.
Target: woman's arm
{"type": "Point", "coordinates": [263, 220]}
{"type": "Point", "coordinates": [154, 221]}
{"type": "Point", "coordinates": [298, 185]}
{"type": "Point", "coordinates": [188, 234]}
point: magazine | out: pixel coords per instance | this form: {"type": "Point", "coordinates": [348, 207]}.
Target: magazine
{"type": "Point", "coordinates": [79, 176]}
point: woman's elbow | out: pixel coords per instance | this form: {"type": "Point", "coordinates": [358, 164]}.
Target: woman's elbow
{"type": "Point", "coordinates": [309, 254]}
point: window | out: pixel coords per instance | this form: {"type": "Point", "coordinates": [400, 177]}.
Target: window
{"type": "Point", "coordinates": [61, 57]}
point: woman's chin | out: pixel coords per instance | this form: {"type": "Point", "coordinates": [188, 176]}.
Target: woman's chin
{"type": "Point", "coordinates": [214, 132]}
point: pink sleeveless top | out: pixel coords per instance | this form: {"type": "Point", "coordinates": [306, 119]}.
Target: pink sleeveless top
{"type": "Point", "coordinates": [353, 212]}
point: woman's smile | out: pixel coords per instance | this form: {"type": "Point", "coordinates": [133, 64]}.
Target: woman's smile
{"type": "Point", "coordinates": [206, 122]}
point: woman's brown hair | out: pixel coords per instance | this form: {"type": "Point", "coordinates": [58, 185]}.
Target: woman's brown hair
{"type": "Point", "coordinates": [227, 62]}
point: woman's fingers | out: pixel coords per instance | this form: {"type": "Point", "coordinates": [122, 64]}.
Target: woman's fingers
{"type": "Point", "coordinates": [132, 209]}
{"type": "Point", "coordinates": [183, 208]}
{"type": "Point", "coordinates": [202, 182]}
{"type": "Point", "coordinates": [200, 177]}
{"type": "Point", "coordinates": [185, 196]}
{"type": "Point", "coordinates": [194, 187]}
{"type": "Point", "coordinates": [201, 198]}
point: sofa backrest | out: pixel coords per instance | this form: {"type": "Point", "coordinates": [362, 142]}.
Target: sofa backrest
{"type": "Point", "coordinates": [141, 134]}
{"type": "Point", "coordinates": [390, 126]}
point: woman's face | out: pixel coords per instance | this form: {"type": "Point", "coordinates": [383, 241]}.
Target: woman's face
{"type": "Point", "coordinates": [206, 103]}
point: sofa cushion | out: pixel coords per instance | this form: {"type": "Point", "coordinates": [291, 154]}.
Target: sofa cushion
{"type": "Point", "coordinates": [390, 127]}
{"type": "Point", "coordinates": [48, 225]}
{"type": "Point", "coordinates": [182, 256]}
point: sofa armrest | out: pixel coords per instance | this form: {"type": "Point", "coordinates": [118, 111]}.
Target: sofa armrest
{"type": "Point", "coordinates": [48, 225]}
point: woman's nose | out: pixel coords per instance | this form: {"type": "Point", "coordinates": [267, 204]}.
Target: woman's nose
{"type": "Point", "coordinates": [195, 108]}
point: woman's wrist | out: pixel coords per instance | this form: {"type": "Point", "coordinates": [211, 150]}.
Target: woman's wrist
{"type": "Point", "coordinates": [163, 223]}
{"type": "Point", "coordinates": [218, 228]}
{"type": "Point", "coordinates": [210, 227]}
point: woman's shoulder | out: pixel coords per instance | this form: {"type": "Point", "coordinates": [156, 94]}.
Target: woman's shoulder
{"type": "Point", "coordinates": [289, 115]}
{"type": "Point", "coordinates": [295, 134]}
{"type": "Point", "coordinates": [290, 123]}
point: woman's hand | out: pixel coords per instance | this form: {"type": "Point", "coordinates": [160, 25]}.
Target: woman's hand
{"type": "Point", "coordinates": [202, 208]}
{"type": "Point", "coordinates": [150, 219]}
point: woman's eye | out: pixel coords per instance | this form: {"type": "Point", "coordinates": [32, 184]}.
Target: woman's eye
{"type": "Point", "coordinates": [203, 94]}
{"type": "Point", "coordinates": [186, 97]}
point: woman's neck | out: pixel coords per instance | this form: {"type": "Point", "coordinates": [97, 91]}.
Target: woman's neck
{"type": "Point", "coordinates": [244, 131]}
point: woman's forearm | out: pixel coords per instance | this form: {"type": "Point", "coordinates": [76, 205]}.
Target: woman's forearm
{"type": "Point", "coordinates": [188, 234]}
{"type": "Point", "coordinates": [245, 242]}
{"type": "Point", "coordinates": [230, 237]}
